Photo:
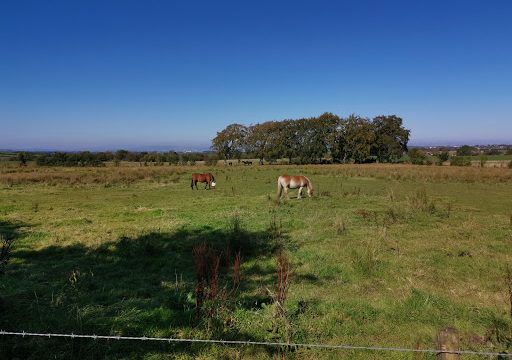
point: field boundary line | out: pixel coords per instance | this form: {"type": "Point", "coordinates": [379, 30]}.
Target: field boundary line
{"type": "Point", "coordinates": [254, 343]}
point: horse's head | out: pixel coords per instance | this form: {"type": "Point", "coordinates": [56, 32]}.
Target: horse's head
{"type": "Point", "coordinates": [310, 188]}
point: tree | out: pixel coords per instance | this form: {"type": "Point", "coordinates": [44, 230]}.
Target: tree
{"type": "Point", "coordinates": [335, 127]}
{"type": "Point", "coordinates": [287, 140]}
{"type": "Point", "coordinates": [358, 138]}
{"type": "Point", "coordinates": [313, 136]}
{"type": "Point", "coordinates": [258, 137]}
{"type": "Point", "coordinates": [230, 142]}
{"type": "Point", "coordinates": [465, 150]}
{"type": "Point", "coordinates": [22, 158]}
{"type": "Point", "coordinates": [391, 138]}
{"type": "Point", "coordinates": [121, 155]}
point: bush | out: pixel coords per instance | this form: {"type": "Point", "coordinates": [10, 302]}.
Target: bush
{"type": "Point", "coordinates": [460, 161]}
{"type": "Point", "coordinates": [211, 161]}
{"type": "Point", "coordinates": [443, 156]}
{"type": "Point", "coordinates": [466, 150]}
{"type": "Point", "coordinates": [417, 156]}
{"type": "Point", "coordinates": [493, 152]}
{"type": "Point", "coordinates": [483, 160]}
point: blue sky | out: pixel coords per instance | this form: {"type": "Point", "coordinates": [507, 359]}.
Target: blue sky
{"type": "Point", "coordinates": [141, 74]}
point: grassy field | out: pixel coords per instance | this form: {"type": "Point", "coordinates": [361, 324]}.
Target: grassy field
{"type": "Point", "coordinates": [380, 256]}
{"type": "Point", "coordinates": [492, 157]}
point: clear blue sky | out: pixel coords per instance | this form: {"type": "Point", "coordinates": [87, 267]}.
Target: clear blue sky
{"type": "Point", "coordinates": [134, 74]}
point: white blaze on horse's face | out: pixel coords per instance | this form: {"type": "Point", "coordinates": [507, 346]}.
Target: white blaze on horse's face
{"type": "Point", "coordinates": [213, 184]}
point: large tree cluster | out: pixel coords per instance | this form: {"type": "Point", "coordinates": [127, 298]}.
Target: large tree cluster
{"type": "Point", "coordinates": [317, 139]}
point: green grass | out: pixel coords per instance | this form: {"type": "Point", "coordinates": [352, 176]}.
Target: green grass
{"type": "Point", "coordinates": [381, 256]}
{"type": "Point", "coordinates": [492, 157]}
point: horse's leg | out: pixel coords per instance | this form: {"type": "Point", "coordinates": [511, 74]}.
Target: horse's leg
{"type": "Point", "coordinates": [300, 192]}
{"type": "Point", "coordinates": [206, 185]}
{"type": "Point", "coordinates": [286, 193]}
{"type": "Point", "coordinates": [195, 182]}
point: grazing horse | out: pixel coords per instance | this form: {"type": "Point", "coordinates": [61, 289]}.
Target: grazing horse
{"type": "Point", "coordinates": [205, 178]}
{"type": "Point", "coordinates": [285, 182]}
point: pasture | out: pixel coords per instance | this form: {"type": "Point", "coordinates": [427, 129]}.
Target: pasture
{"type": "Point", "coordinates": [381, 255]}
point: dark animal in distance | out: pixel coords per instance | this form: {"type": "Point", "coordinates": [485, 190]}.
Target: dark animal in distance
{"type": "Point", "coordinates": [247, 162]}
{"type": "Point", "coordinates": [209, 179]}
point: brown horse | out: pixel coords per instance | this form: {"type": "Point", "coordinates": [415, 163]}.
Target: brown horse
{"type": "Point", "coordinates": [286, 182]}
{"type": "Point", "coordinates": [205, 178]}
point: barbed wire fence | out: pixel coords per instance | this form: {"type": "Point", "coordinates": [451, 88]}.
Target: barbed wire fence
{"type": "Point", "coordinates": [254, 343]}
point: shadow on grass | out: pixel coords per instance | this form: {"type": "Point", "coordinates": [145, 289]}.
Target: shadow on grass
{"type": "Point", "coordinates": [140, 286]}
{"type": "Point", "coordinates": [11, 230]}
{"type": "Point", "coordinates": [9, 233]}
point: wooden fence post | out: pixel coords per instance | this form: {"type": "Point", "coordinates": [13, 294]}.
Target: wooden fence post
{"type": "Point", "coordinates": [448, 340]}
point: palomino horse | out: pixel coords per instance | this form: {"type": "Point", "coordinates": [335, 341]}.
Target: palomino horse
{"type": "Point", "coordinates": [285, 182]}
{"type": "Point", "coordinates": [205, 178]}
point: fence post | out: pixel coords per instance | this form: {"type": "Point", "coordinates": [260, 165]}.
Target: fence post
{"type": "Point", "coordinates": [448, 340]}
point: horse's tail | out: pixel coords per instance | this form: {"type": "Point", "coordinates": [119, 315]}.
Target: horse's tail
{"type": "Point", "coordinates": [279, 188]}
{"type": "Point", "coordinates": [192, 184]}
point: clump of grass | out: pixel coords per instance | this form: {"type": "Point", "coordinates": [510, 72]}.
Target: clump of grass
{"type": "Point", "coordinates": [391, 195]}
{"type": "Point", "coordinates": [213, 291]}
{"type": "Point", "coordinates": [367, 214]}
{"type": "Point", "coordinates": [420, 201]}
{"type": "Point", "coordinates": [339, 225]}
{"type": "Point", "coordinates": [235, 224]}
{"type": "Point", "coordinates": [449, 208]}
{"type": "Point", "coordinates": [508, 284]}
{"type": "Point", "coordinates": [392, 215]}
{"type": "Point", "coordinates": [283, 281]}
{"type": "Point", "coordinates": [275, 229]}
{"type": "Point", "coordinates": [5, 251]}
{"type": "Point", "coordinates": [367, 261]}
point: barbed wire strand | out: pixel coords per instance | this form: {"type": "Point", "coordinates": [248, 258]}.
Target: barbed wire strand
{"type": "Point", "coordinates": [254, 343]}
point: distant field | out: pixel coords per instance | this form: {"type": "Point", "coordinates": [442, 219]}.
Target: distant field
{"type": "Point", "coordinates": [382, 255]}
{"type": "Point", "coordinates": [492, 157]}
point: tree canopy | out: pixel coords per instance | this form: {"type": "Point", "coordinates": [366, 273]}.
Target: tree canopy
{"type": "Point", "coordinates": [316, 139]}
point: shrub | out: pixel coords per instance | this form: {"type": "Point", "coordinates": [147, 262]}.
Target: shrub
{"type": "Point", "coordinates": [466, 150]}
{"type": "Point", "coordinates": [443, 156]}
{"type": "Point", "coordinates": [483, 160]}
{"type": "Point", "coordinates": [460, 161]}
{"type": "Point", "coordinates": [417, 156]}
